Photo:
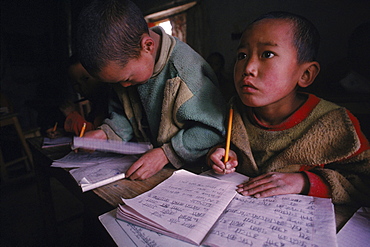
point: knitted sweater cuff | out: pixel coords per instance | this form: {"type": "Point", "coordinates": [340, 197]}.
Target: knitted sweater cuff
{"type": "Point", "coordinates": [318, 187]}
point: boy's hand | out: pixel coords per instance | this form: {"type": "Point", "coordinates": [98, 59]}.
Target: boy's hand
{"type": "Point", "coordinates": [274, 183]}
{"type": "Point", "coordinates": [147, 165]}
{"type": "Point", "coordinates": [96, 134]}
{"type": "Point", "coordinates": [219, 166]}
{"type": "Point", "coordinates": [53, 134]}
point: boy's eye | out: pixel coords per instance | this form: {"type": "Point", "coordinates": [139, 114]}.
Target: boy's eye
{"type": "Point", "coordinates": [268, 54]}
{"type": "Point", "coordinates": [241, 56]}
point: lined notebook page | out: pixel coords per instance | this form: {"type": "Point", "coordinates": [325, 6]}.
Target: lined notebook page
{"type": "Point", "coordinates": [185, 203]}
{"type": "Point", "coordinates": [286, 220]}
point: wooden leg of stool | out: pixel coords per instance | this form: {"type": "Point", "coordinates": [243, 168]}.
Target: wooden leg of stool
{"type": "Point", "coordinates": [24, 143]}
{"type": "Point", "coordinates": [3, 171]}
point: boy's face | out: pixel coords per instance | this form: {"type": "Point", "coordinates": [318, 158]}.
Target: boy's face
{"type": "Point", "coordinates": [266, 72]}
{"type": "Point", "coordinates": [137, 71]}
{"type": "Point", "coordinates": [83, 82]}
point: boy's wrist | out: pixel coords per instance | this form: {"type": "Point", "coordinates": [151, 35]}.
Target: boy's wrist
{"type": "Point", "coordinates": [109, 133]}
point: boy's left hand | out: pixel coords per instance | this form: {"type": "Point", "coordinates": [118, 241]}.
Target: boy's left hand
{"type": "Point", "coordinates": [274, 183]}
{"type": "Point", "coordinates": [147, 165]}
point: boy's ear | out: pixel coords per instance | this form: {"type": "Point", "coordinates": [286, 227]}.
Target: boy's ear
{"type": "Point", "coordinates": [312, 69]}
{"type": "Point", "coordinates": [147, 44]}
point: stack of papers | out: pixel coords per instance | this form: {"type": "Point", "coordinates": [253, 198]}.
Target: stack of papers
{"type": "Point", "coordinates": [107, 164]}
{"type": "Point", "coordinates": [92, 170]}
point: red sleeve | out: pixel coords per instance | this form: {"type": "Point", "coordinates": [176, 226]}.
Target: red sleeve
{"type": "Point", "coordinates": [74, 123]}
{"type": "Point", "coordinates": [364, 142]}
{"type": "Point", "coordinates": [318, 187]}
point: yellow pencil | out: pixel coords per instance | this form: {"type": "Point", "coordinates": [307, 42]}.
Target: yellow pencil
{"type": "Point", "coordinates": [228, 135]}
{"type": "Point", "coordinates": [83, 130]}
{"type": "Point", "coordinates": [55, 126]}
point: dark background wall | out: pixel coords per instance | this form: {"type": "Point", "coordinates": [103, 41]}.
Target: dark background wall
{"type": "Point", "coordinates": [36, 39]}
{"type": "Point", "coordinates": [335, 20]}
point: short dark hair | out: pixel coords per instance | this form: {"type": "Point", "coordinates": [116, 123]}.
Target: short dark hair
{"type": "Point", "coordinates": [306, 36]}
{"type": "Point", "coordinates": [109, 30]}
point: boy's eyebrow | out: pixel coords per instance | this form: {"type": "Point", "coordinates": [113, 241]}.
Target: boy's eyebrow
{"type": "Point", "coordinates": [259, 44]}
{"type": "Point", "coordinates": [267, 44]}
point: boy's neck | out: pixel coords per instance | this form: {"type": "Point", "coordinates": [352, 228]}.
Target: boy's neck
{"type": "Point", "coordinates": [276, 114]}
{"type": "Point", "coordinates": [158, 41]}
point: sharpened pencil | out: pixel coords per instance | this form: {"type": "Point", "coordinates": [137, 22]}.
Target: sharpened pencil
{"type": "Point", "coordinates": [83, 130]}
{"type": "Point", "coordinates": [228, 135]}
{"type": "Point", "coordinates": [55, 126]}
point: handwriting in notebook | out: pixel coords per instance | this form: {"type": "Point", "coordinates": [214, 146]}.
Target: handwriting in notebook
{"type": "Point", "coordinates": [208, 211]}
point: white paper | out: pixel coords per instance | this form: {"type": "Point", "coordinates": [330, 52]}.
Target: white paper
{"type": "Point", "coordinates": [356, 232]}
{"type": "Point", "coordinates": [92, 177]}
{"type": "Point", "coordinates": [286, 220]}
{"type": "Point", "coordinates": [111, 145]}
{"type": "Point", "coordinates": [182, 204]}
{"type": "Point", "coordinates": [126, 234]}
{"type": "Point", "coordinates": [95, 169]}
{"type": "Point", "coordinates": [55, 142]}
{"type": "Point", "coordinates": [234, 177]}
{"type": "Point", "coordinates": [84, 159]}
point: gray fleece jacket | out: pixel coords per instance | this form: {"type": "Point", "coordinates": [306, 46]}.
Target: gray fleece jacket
{"type": "Point", "coordinates": [179, 109]}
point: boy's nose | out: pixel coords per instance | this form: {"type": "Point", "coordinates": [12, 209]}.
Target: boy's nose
{"type": "Point", "coordinates": [250, 67]}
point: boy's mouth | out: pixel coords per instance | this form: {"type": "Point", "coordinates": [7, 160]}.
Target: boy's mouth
{"type": "Point", "coordinates": [248, 87]}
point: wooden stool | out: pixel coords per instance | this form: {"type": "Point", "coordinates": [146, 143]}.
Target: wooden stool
{"type": "Point", "coordinates": [12, 119]}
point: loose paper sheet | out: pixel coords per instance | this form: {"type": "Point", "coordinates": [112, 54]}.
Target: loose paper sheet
{"type": "Point", "coordinates": [356, 232]}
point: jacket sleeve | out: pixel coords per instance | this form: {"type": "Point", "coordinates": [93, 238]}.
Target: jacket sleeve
{"type": "Point", "coordinates": [117, 126]}
{"type": "Point", "coordinates": [198, 120]}
{"type": "Point", "coordinates": [349, 178]}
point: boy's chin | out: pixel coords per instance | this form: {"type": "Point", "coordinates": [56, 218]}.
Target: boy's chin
{"type": "Point", "coordinates": [249, 102]}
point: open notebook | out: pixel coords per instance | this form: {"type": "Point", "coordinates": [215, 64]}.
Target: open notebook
{"type": "Point", "coordinates": [207, 211]}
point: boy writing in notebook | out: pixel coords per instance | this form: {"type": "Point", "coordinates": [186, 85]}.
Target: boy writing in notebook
{"type": "Point", "coordinates": [289, 142]}
{"type": "Point", "coordinates": [168, 94]}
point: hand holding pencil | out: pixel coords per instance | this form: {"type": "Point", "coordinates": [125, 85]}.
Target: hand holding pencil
{"type": "Point", "coordinates": [82, 133]}
{"type": "Point", "coordinates": [54, 132]}
{"type": "Point", "coordinates": [229, 157]}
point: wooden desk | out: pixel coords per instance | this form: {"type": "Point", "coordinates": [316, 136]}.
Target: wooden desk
{"type": "Point", "coordinates": [105, 198]}
{"type": "Point", "coordinates": [96, 202]}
